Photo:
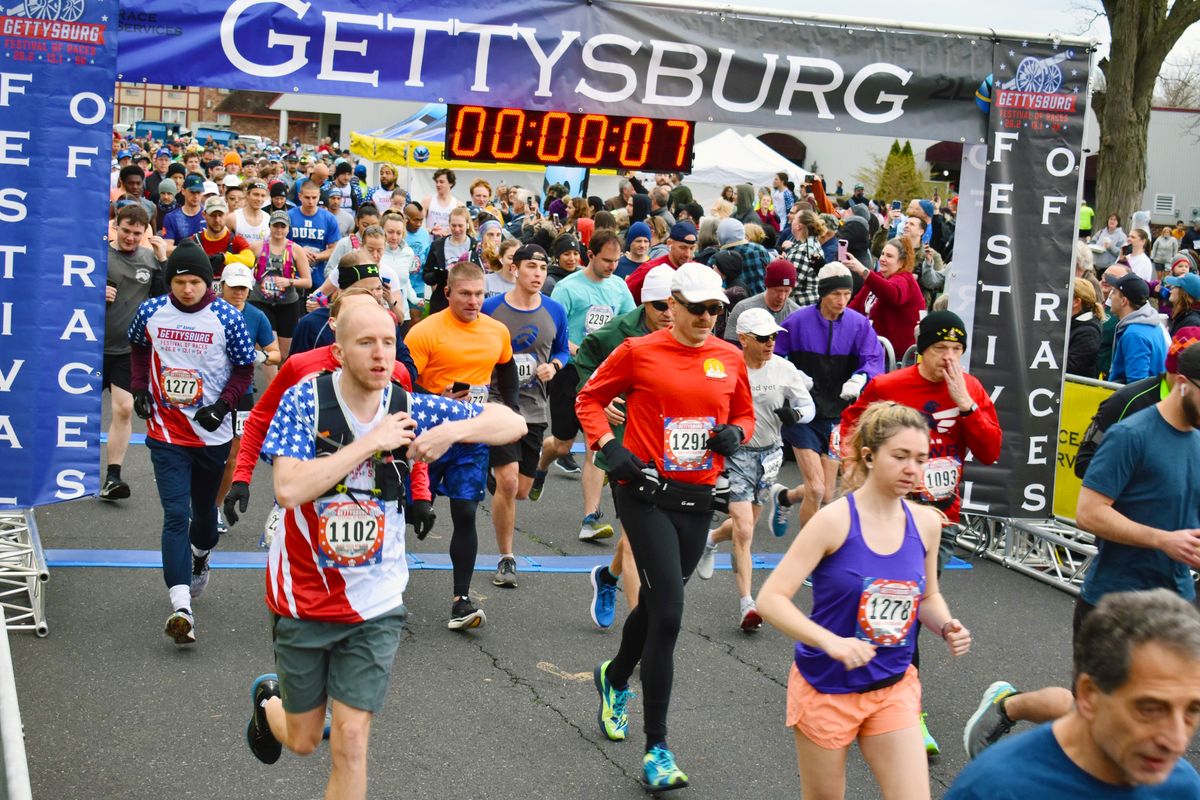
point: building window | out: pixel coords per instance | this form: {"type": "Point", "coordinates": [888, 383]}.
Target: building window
{"type": "Point", "coordinates": [177, 88]}
{"type": "Point", "coordinates": [130, 115]}
{"type": "Point", "coordinates": [224, 119]}
{"type": "Point", "coordinates": [1164, 204]}
{"type": "Point", "coordinates": [175, 115]}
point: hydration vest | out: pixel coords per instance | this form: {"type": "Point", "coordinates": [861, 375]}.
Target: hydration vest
{"type": "Point", "coordinates": [334, 431]}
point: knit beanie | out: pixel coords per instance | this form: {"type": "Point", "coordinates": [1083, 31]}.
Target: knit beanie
{"type": "Point", "coordinates": [941, 326]}
{"type": "Point", "coordinates": [638, 230]}
{"type": "Point", "coordinates": [189, 258]}
{"type": "Point", "coordinates": [834, 276]}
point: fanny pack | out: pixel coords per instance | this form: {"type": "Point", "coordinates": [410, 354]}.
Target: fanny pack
{"type": "Point", "coordinates": [670, 495]}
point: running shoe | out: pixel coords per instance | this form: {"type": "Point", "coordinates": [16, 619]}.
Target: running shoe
{"type": "Point", "coordinates": [328, 729]}
{"type": "Point", "coordinates": [707, 562]}
{"type": "Point", "coordinates": [780, 514]}
{"type": "Point", "coordinates": [751, 621]}
{"type": "Point", "coordinates": [181, 627]}
{"type": "Point", "coordinates": [931, 745]}
{"type": "Point", "coordinates": [114, 489]}
{"type": "Point", "coordinates": [539, 483]}
{"type": "Point", "coordinates": [614, 722]}
{"type": "Point", "coordinates": [222, 523]}
{"type": "Point", "coordinates": [604, 600]}
{"type": "Point", "coordinates": [568, 464]}
{"type": "Point", "coordinates": [661, 773]}
{"type": "Point", "coordinates": [593, 528]}
{"type": "Point", "coordinates": [274, 519]}
{"type": "Point", "coordinates": [263, 744]}
{"type": "Point", "coordinates": [506, 573]}
{"type": "Point", "coordinates": [464, 615]}
{"type": "Point", "coordinates": [199, 574]}
{"type": "Point", "coordinates": [989, 722]}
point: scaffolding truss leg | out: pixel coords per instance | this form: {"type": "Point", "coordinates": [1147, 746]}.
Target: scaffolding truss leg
{"type": "Point", "coordinates": [23, 573]}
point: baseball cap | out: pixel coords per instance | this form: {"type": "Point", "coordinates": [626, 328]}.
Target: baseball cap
{"type": "Point", "coordinates": [194, 183]}
{"type": "Point", "coordinates": [657, 285]}
{"type": "Point", "coordinates": [757, 321]}
{"type": "Point", "coordinates": [858, 186]}
{"type": "Point", "coordinates": [683, 232]}
{"type": "Point", "coordinates": [1190, 283]}
{"type": "Point", "coordinates": [1189, 363]}
{"type": "Point", "coordinates": [237, 275]}
{"type": "Point", "coordinates": [162, 151]}
{"type": "Point", "coordinates": [167, 186]}
{"type": "Point", "coordinates": [291, 157]}
{"type": "Point", "coordinates": [230, 181]}
{"type": "Point", "coordinates": [1133, 288]}
{"type": "Point", "coordinates": [780, 272]}
{"type": "Point", "coordinates": [696, 283]}
{"type": "Point", "coordinates": [122, 154]}
{"type": "Point", "coordinates": [1183, 339]}
{"type": "Point", "coordinates": [530, 252]}
{"type": "Point", "coordinates": [280, 216]}
{"type": "Point", "coordinates": [215, 204]}
{"type": "Point", "coordinates": [211, 188]}
{"type": "Point", "coordinates": [279, 189]}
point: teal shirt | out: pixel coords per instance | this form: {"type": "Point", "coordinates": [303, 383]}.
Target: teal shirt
{"type": "Point", "coordinates": [590, 305]}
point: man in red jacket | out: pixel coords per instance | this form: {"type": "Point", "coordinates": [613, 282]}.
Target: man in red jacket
{"type": "Point", "coordinates": [295, 370]}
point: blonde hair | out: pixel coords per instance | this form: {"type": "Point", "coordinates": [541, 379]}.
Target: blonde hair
{"type": "Point", "coordinates": [722, 209]}
{"type": "Point", "coordinates": [881, 421]}
{"type": "Point", "coordinates": [463, 271]}
{"type": "Point", "coordinates": [1087, 297]}
{"type": "Point", "coordinates": [755, 232]}
{"type": "Point", "coordinates": [814, 224]}
{"type": "Point", "coordinates": [658, 226]}
{"type": "Point", "coordinates": [1083, 256]}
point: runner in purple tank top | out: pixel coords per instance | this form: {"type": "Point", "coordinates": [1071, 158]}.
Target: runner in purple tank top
{"type": "Point", "coordinates": [873, 561]}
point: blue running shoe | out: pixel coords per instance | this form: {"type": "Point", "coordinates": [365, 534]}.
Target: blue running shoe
{"type": "Point", "coordinates": [989, 722]}
{"type": "Point", "coordinates": [614, 722]}
{"type": "Point", "coordinates": [661, 773]}
{"type": "Point", "coordinates": [780, 514]}
{"type": "Point", "coordinates": [604, 600]}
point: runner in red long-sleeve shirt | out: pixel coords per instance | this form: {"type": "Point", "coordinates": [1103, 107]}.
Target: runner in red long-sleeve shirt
{"type": "Point", "coordinates": [295, 370]}
{"type": "Point", "coordinates": [687, 406]}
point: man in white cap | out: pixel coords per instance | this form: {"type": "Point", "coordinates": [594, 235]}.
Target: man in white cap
{"type": "Point", "coordinates": [780, 398]}
{"type": "Point", "coordinates": [675, 446]}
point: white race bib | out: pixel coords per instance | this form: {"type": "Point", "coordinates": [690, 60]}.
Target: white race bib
{"type": "Point", "coordinates": [941, 478]}
{"type": "Point", "coordinates": [478, 394]}
{"type": "Point", "coordinates": [526, 368]}
{"type": "Point", "coordinates": [350, 534]}
{"type": "Point", "coordinates": [182, 388]}
{"type": "Point", "coordinates": [685, 443]}
{"type": "Point", "coordinates": [597, 317]}
{"type": "Point", "coordinates": [887, 610]}
{"type": "Point", "coordinates": [771, 465]}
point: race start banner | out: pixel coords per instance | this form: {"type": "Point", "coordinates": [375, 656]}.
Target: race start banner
{"type": "Point", "coordinates": [56, 84]}
{"type": "Point", "coordinates": [1038, 95]}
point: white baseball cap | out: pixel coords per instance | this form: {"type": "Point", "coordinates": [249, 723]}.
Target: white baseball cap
{"type": "Point", "coordinates": [696, 283]}
{"type": "Point", "coordinates": [756, 321]}
{"type": "Point", "coordinates": [657, 285]}
{"type": "Point", "coordinates": [210, 188]}
{"type": "Point", "coordinates": [240, 275]}
{"type": "Point", "coordinates": [230, 181]}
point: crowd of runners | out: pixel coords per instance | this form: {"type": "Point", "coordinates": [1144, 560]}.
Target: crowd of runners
{"type": "Point", "coordinates": [457, 345]}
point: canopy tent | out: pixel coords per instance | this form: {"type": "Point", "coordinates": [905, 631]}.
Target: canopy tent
{"type": "Point", "coordinates": [730, 158]}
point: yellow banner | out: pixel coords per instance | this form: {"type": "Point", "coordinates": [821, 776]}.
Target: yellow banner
{"type": "Point", "coordinates": [431, 155]}
{"type": "Point", "coordinates": [1079, 404]}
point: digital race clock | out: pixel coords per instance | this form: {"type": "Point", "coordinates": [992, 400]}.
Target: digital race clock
{"type": "Point", "coordinates": [480, 133]}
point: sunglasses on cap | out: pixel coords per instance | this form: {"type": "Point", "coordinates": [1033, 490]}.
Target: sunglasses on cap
{"type": "Point", "coordinates": [714, 309]}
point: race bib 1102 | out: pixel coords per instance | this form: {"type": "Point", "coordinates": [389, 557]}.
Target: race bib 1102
{"type": "Point", "coordinates": [350, 534]}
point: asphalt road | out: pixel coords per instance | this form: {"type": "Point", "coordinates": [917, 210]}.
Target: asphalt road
{"type": "Point", "coordinates": [112, 709]}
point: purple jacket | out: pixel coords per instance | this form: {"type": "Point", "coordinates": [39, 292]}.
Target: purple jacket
{"type": "Point", "coordinates": [830, 352]}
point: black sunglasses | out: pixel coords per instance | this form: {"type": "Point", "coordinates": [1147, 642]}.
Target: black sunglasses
{"type": "Point", "coordinates": [698, 309]}
{"type": "Point", "coordinates": [660, 305]}
{"type": "Point", "coordinates": [764, 339]}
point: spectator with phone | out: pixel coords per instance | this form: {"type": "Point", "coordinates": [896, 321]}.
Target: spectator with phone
{"type": "Point", "coordinates": [930, 269]}
{"type": "Point", "coordinates": [891, 298]}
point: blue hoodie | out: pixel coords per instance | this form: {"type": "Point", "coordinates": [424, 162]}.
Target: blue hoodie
{"type": "Point", "coordinates": [1140, 347]}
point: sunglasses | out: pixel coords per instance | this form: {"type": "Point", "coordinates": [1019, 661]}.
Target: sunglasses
{"type": "Point", "coordinates": [258, 185]}
{"type": "Point", "coordinates": [764, 339]}
{"type": "Point", "coordinates": [660, 305]}
{"type": "Point", "coordinates": [715, 309]}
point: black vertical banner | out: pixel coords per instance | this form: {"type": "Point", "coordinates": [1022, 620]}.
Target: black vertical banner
{"type": "Point", "coordinates": [1038, 95]}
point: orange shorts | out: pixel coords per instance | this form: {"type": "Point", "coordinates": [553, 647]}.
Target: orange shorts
{"type": "Point", "coordinates": [833, 721]}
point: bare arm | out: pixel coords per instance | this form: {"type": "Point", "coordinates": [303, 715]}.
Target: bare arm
{"type": "Point", "coordinates": [1094, 513]}
{"type": "Point", "coordinates": [934, 612]}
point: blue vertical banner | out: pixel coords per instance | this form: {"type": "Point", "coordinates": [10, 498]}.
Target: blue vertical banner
{"type": "Point", "coordinates": [57, 64]}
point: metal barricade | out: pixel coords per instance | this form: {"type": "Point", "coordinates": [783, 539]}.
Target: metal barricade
{"type": "Point", "coordinates": [23, 573]}
{"type": "Point", "coordinates": [1051, 551]}
{"type": "Point", "coordinates": [14, 775]}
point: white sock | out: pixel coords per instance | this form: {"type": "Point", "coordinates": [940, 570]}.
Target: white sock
{"type": "Point", "coordinates": [506, 555]}
{"type": "Point", "coordinates": [747, 602]}
{"type": "Point", "coordinates": [181, 597]}
{"type": "Point", "coordinates": [708, 542]}
{"type": "Point", "coordinates": [198, 553]}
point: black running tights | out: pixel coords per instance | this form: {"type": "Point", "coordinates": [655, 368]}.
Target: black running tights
{"type": "Point", "coordinates": [464, 544]}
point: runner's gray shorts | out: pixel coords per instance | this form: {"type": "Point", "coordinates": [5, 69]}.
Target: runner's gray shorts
{"type": "Point", "coordinates": [751, 471]}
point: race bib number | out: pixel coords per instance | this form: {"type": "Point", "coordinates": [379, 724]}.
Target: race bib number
{"type": "Point", "coordinates": [597, 317]}
{"type": "Point", "coordinates": [350, 534]}
{"type": "Point", "coordinates": [685, 443]}
{"type": "Point", "coordinates": [887, 610]}
{"type": "Point", "coordinates": [269, 289]}
{"type": "Point", "coordinates": [239, 422]}
{"type": "Point", "coordinates": [941, 478]}
{"type": "Point", "coordinates": [182, 388]}
{"type": "Point", "coordinates": [478, 394]}
{"type": "Point", "coordinates": [835, 443]}
{"type": "Point", "coordinates": [526, 368]}
{"type": "Point", "coordinates": [771, 465]}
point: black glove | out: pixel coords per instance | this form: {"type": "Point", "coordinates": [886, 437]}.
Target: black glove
{"type": "Point", "coordinates": [420, 515]}
{"type": "Point", "coordinates": [210, 417]}
{"type": "Point", "coordinates": [239, 495]}
{"type": "Point", "coordinates": [143, 403]}
{"type": "Point", "coordinates": [622, 464]}
{"type": "Point", "coordinates": [725, 439]}
{"type": "Point", "coordinates": [787, 415]}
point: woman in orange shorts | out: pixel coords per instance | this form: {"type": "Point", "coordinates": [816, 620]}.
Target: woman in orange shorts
{"type": "Point", "coordinates": [873, 560]}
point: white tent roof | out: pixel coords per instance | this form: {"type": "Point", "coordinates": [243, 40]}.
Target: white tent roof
{"type": "Point", "coordinates": [731, 158]}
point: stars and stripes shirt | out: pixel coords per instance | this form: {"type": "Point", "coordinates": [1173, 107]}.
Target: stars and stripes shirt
{"type": "Point", "coordinates": [302, 582]}
{"type": "Point", "coordinates": [192, 356]}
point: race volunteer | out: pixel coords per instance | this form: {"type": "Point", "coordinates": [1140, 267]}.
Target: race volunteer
{"type": "Point", "coordinates": [654, 314]}
{"type": "Point", "coordinates": [961, 418]}
{"type": "Point", "coordinates": [296, 370]}
{"type": "Point", "coordinates": [591, 298]}
{"type": "Point", "coordinates": [456, 352]}
{"type": "Point", "coordinates": [135, 274]}
{"type": "Point", "coordinates": [675, 446]}
{"type": "Point", "coordinates": [780, 398]}
{"type": "Point", "coordinates": [192, 358]}
{"type": "Point", "coordinates": [836, 347]}
{"type": "Point", "coordinates": [537, 329]}
{"type": "Point", "coordinates": [336, 577]}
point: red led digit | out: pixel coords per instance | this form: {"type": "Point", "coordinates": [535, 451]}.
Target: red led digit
{"type": "Point", "coordinates": [647, 131]}
{"type": "Point", "coordinates": [684, 131]}
{"type": "Point", "coordinates": [562, 141]}
{"type": "Point", "coordinates": [508, 113]}
{"type": "Point", "coordinates": [456, 144]}
{"type": "Point", "coordinates": [598, 140]}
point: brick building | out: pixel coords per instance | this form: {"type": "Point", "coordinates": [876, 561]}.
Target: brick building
{"type": "Point", "coordinates": [192, 106]}
{"type": "Point", "coordinates": [250, 113]}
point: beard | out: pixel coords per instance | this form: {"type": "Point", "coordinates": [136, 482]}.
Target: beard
{"type": "Point", "coordinates": [1191, 414]}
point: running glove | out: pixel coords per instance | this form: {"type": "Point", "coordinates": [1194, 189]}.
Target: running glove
{"type": "Point", "coordinates": [622, 464]}
{"type": "Point", "coordinates": [239, 495]}
{"type": "Point", "coordinates": [787, 415]}
{"type": "Point", "coordinates": [143, 403]}
{"type": "Point", "coordinates": [210, 417]}
{"type": "Point", "coordinates": [260, 356]}
{"type": "Point", "coordinates": [725, 439]}
{"type": "Point", "coordinates": [420, 515]}
{"type": "Point", "coordinates": [852, 388]}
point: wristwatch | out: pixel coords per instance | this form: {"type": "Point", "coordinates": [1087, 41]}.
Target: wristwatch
{"type": "Point", "coordinates": [974, 407]}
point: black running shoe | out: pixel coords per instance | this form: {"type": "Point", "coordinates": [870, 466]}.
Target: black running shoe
{"type": "Point", "coordinates": [263, 744]}
{"type": "Point", "coordinates": [114, 489]}
{"type": "Point", "coordinates": [464, 615]}
{"type": "Point", "coordinates": [568, 464]}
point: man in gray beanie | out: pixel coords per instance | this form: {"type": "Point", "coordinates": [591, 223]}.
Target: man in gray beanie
{"type": "Point", "coordinates": [731, 235]}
